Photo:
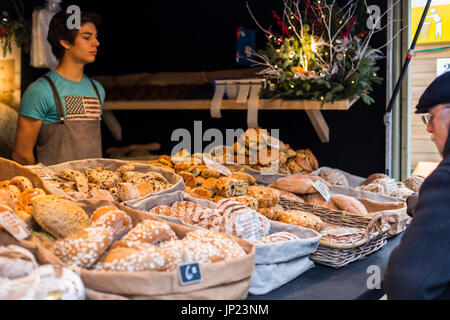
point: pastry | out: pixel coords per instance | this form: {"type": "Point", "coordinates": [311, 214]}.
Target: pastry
{"type": "Point", "coordinates": [199, 180]}
{"type": "Point", "coordinates": [23, 183]}
{"type": "Point", "coordinates": [334, 177]}
{"type": "Point", "coordinates": [402, 193]}
{"type": "Point", "coordinates": [189, 179]}
{"type": "Point", "coordinates": [131, 256]}
{"type": "Point", "coordinates": [201, 193]}
{"type": "Point", "coordinates": [230, 187]}
{"type": "Point", "coordinates": [301, 218]}
{"type": "Point", "coordinates": [375, 176]}
{"type": "Point", "coordinates": [247, 201]}
{"type": "Point", "coordinates": [210, 173]}
{"type": "Point", "coordinates": [27, 196]}
{"type": "Point", "coordinates": [104, 179]}
{"type": "Point", "coordinates": [82, 249]}
{"type": "Point", "coordinates": [113, 219]}
{"type": "Point", "coordinates": [144, 188]}
{"type": "Point", "coordinates": [266, 197]}
{"type": "Point", "coordinates": [414, 183]}
{"type": "Point", "coordinates": [58, 216]}
{"type": "Point", "coordinates": [7, 198]}
{"type": "Point", "coordinates": [210, 184]}
{"type": "Point", "coordinates": [271, 213]}
{"type": "Point", "coordinates": [150, 231]}
{"type": "Point", "coordinates": [243, 176]}
{"type": "Point", "coordinates": [128, 191]}
{"type": "Point", "coordinates": [348, 204]}
{"type": "Point", "coordinates": [80, 180]}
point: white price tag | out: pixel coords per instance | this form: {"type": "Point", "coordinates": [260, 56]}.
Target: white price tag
{"type": "Point", "coordinates": [249, 225]}
{"type": "Point", "coordinates": [216, 166]}
{"type": "Point", "coordinates": [42, 171]}
{"type": "Point", "coordinates": [323, 189]}
{"type": "Point", "coordinates": [390, 186]}
{"type": "Point", "coordinates": [13, 224]}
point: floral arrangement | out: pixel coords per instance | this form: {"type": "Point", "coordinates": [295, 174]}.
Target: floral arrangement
{"type": "Point", "coordinates": [320, 52]}
{"type": "Point", "coordinates": [15, 29]}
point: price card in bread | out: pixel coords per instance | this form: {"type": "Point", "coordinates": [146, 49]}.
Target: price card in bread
{"type": "Point", "coordinates": [214, 165]}
{"type": "Point", "coordinates": [42, 171]}
{"type": "Point", "coordinates": [322, 188]}
{"type": "Point", "coordinates": [390, 185]}
{"type": "Point", "coordinates": [189, 273]}
{"type": "Point", "coordinates": [13, 224]}
{"type": "Point", "coordinates": [249, 225]}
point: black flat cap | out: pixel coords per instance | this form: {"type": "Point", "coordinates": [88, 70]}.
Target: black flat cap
{"type": "Point", "coordinates": [438, 92]}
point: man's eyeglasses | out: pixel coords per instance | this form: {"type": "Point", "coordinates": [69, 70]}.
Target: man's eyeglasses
{"type": "Point", "coordinates": [426, 118]}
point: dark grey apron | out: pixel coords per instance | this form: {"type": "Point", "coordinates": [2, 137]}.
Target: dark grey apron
{"type": "Point", "coordinates": [68, 140]}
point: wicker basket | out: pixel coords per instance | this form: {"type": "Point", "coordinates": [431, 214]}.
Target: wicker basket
{"type": "Point", "coordinates": [340, 253]}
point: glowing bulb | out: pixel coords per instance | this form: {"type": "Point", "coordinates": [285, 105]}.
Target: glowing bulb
{"type": "Point", "coordinates": [353, 81]}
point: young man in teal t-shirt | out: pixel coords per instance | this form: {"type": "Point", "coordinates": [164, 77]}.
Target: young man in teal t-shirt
{"type": "Point", "coordinates": [60, 113]}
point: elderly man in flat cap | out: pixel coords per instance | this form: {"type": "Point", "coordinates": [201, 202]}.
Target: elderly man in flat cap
{"type": "Point", "coordinates": [419, 268]}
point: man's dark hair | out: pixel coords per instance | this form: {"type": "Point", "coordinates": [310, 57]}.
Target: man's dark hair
{"type": "Point", "coordinates": [58, 30]}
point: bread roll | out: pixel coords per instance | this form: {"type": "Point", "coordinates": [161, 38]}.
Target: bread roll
{"type": "Point", "coordinates": [317, 199]}
{"type": "Point", "coordinates": [16, 262]}
{"type": "Point", "coordinates": [243, 176]}
{"type": "Point", "coordinates": [375, 176]}
{"type": "Point", "coordinates": [189, 179]}
{"type": "Point", "coordinates": [334, 177]}
{"type": "Point", "coordinates": [210, 173]}
{"type": "Point", "coordinates": [58, 216]}
{"type": "Point", "coordinates": [23, 183]}
{"type": "Point", "coordinates": [100, 194]}
{"type": "Point", "coordinates": [128, 191]}
{"type": "Point", "coordinates": [267, 197]}
{"type": "Point", "coordinates": [201, 192]}
{"type": "Point", "coordinates": [348, 204]}
{"type": "Point", "coordinates": [113, 219]}
{"type": "Point", "coordinates": [7, 198]}
{"type": "Point", "coordinates": [82, 249]}
{"type": "Point", "coordinates": [150, 231]}
{"type": "Point", "coordinates": [299, 184]}
{"type": "Point", "coordinates": [133, 256]}
{"type": "Point", "coordinates": [301, 218]}
{"type": "Point", "coordinates": [27, 196]}
{"type": "Point", "coordinates": [271, 213]}
{"type": "Point", "coordinates": [230, 187]}
{"type": "Point", "coordinates": [247, 201]}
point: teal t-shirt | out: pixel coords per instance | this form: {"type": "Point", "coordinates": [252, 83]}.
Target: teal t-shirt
{"type": "Point", "coordinates": [79, 99]}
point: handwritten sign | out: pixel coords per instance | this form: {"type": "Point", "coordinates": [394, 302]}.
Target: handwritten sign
{"type": "Point", "coordinates": [322, 188]}
{"type": "Point", "coordinates": [13, 224]}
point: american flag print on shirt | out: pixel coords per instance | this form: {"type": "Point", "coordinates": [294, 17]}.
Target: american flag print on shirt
{"type": "Point", "coordinates": [82, 108]}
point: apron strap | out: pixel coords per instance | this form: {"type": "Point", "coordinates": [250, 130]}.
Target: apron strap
{"type": "Point", "coordinates": [59, 105]}
{"type": "Point", "coordinates": [96, 91]}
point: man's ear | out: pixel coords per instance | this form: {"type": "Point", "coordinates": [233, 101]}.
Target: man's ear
{"type": "Point", "coordinates": [65, 44]}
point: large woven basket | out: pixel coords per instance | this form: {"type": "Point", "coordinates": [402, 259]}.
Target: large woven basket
{"type": "Point", "coordinates": [340, 253]}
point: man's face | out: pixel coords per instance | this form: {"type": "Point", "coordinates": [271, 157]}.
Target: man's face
{"type": "Point", "coordinates": [84, 48]}
{"type": "Point", "coordinates": [439, 125]}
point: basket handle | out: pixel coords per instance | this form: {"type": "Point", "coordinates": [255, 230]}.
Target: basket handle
{"type": "Point", "coordinates": [375, 223]}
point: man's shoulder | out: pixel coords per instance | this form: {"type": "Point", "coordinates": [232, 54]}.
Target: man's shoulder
{"type": "Point", "coordinates": [39, 86]}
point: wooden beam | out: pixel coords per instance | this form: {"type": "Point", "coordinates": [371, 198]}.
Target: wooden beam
{"type": "Point", "coordinates": [319, 124]}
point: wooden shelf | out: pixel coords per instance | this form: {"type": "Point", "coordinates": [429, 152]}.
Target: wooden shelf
{"type": "Point", "coordinates": [272, 104]}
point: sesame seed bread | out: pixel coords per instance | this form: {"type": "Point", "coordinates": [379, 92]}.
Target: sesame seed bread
{"type": "Point", "coordinates": [23, 183]}
{"type": "Point", "coordinates": [83, 249]}
{"type": "Point", "coordinates": [271, 213]}
{"type": "Point", "coordinates": [58, 216]}
{"type": "Point", "coordinates": [150, 231]}
{"type": "Point", "coordinates": [132, 256]}
{"type": "Point", "coordinates": [113, 219]}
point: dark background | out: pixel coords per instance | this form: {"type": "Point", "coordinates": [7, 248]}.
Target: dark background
{"type": "Point", "coordinates": [161, 36]}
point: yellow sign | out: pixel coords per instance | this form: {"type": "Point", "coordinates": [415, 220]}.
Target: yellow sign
{"type": "Point", "coordinates": [436, 27]}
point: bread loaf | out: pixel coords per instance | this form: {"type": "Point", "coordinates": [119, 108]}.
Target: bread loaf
{"type": "Point", "coordinates": [58, 216]}
{"type": "Point", "coordinates": [82, 249]}
{"type": "Point", "coordinates": [375, 176]}
{"type": "Point", "coordinates": [266, 197]}
{"type": "Point", "coordinates": [414, 183]}
{"type": "Point", "coordinates": [317, 199]}
{"type": "Point", "coordinates": [7, 198]}
{"type": "Point", "coordinates": [16, 262]}
{"type": "Point", "coordinates": [243, 176]}
{"type": "Point", "coordinates": [27, 196]}
{"type": "Point", "coordinates": [150, 231]}
{"type": "Point", "coordinates": [113, 219]}
{"type": "Point", "coordinates": [284, 195]}
{"type": "Point", "coordinates": [200, 192]}
{"type": "Point", "coordinates": [230, 187]}
{"type": "Point", "coordinates": [271, 213]}
{"type": "Point", "coordinates": [299, 184]}
{"type": "Point", "coordinates": [23, 183]}
{"type": "Point", "coordinates": [301, 218]}
{"type": "Point", "coordinates": [334, 177]}
{"type": "Point", "coordinates": [189, 179]}
{"type": "Point", "coordinates": [133, 256]}
{"type": "Point", "coordinates": [348, 204]}
{"type": "Point", "coordinates": [247, 201]}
